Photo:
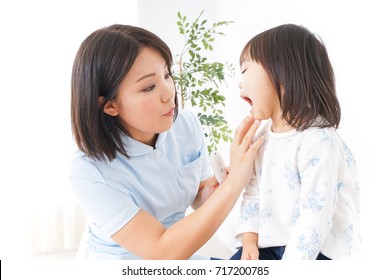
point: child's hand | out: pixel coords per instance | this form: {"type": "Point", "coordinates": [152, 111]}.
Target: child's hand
{"type": "Point", "coordinates": [210, 186]}
{"type": "Point", "coordinates": [206, 188]}
{"type": "Point", "coordinates": [250, 252]}
{"type": "Point", "coordinates": [249, 246]}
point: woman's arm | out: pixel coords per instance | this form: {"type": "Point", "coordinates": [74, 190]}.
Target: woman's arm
{"type": "Point", "coordinates": [146, 237]}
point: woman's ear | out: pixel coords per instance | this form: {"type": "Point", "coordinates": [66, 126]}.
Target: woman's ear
{"type": "Point", "coordinates": [109, 107]}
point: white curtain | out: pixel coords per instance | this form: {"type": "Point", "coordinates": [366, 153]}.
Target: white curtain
{"type": "Point", "coordinates": [56, 228]}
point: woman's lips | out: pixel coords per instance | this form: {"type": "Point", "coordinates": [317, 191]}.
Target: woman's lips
{"type": "Point", "coordinates": [170, 113]}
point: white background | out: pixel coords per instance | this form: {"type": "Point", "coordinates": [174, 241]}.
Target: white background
{"type": "Point", "coordinates": [39, 40]}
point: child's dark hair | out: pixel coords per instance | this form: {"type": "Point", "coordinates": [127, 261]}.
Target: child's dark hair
{"type": "Point", "coordinates": [102, 61]}
{"type": "Point", "coordinates": [297, 62]}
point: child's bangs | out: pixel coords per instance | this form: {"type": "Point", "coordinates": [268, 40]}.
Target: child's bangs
{"type": "Point", "coordinates": [245, 54]}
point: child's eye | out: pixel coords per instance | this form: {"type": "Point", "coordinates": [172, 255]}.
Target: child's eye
{"type": "Point", "coordinates": [243, 71]}
{"type": "Point", "coordinates": [149, 88]}
{"type": "Point", "coordinates": [168, 75]}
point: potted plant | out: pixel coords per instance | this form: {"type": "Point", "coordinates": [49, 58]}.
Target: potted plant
{"type": "Point", "coordinates": [198, 79]}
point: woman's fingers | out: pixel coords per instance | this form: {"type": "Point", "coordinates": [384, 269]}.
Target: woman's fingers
{"type": "Point", "coordinates": [243, 150]}
{"type": "Point", "coordinates": [244, 134]}
{"type": "Point", "coordinates": [249, 134]}
{"type": "Point", "coordinates": [241, 130]}
{"type": "Point", "coordinates": [258, 142]}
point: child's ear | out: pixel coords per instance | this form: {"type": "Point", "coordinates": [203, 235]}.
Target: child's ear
{"type": "Point", "coordinates": [109, 107]}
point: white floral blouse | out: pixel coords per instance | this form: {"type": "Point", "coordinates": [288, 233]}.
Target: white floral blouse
{"type": "Point", "coordinates": [304, 194]}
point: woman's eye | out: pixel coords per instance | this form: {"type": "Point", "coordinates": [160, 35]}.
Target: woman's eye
{"type": "Point", "coordinates": [243, 71]}
{"type": "Point", "coordinates": [168, 75]}
{"type": "Point", "coordinates": [149, 88]}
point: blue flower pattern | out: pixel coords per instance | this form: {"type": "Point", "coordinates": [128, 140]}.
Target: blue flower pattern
{"type": "Point", "coordinates": [309, 245]}
{"type": "Point", "coordinates": [250, 210]}
{"type": "Point", "coordinates": [348, 155]}
{"type": "Point", "coordinates": [313, 161]}
{"type": "Point", "coordinates": [340, 186]}
{"type": "Point", "coordinates": [265, 214]}
{"type": "Point", "coordinates": [259, 173]}
{"type": "Point", "coordinates": [309, 242]}
{"type": "Point", "coordinates": [324, 135]}
{"type": "Point", "coordinates": [295, 214]}
{"type": "Point", "coordinates": [292, 176]}
{"type": "Point", "coordinates": [348, 233]}
{"type": "Point", "coordinates": [315, 201]}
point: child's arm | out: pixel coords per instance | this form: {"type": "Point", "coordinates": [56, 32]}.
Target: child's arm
{"type": "Point", "coordinates": [250, 250]}
{"type": "Point", "coordinates": [249, 220]}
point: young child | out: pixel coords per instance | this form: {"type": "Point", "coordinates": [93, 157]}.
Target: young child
{"type": "Point", "coordinates": [302, 201]}
{"type": "Point", "coordinates": [140, 162]}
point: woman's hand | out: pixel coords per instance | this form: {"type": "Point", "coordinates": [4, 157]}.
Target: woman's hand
{"type": "Point", "coordinates": [243, 151]}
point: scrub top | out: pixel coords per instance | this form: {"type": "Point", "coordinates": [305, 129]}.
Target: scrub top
{"type": "Point", "coordinates": [162, 181]}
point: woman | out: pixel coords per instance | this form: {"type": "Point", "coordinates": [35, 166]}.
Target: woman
{"type": "Point", "coordinates": [140, 162]}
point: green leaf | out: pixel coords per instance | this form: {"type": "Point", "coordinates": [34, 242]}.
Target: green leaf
{"type": "Point", "coordinates": [198, 80]}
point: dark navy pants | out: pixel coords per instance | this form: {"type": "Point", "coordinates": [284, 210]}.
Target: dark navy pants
{"type": "Point", "coordinates": [272, 253]}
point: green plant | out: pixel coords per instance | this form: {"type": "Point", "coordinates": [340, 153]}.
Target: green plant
{"type": "Point", "coordinates": [199, 80]}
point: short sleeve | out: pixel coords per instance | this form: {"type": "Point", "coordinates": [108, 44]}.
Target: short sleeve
{"type": "Point", "coordinates": [108, 207]}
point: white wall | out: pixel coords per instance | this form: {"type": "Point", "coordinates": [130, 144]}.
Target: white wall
{"type": "Point", "coordinates": [40, 38]}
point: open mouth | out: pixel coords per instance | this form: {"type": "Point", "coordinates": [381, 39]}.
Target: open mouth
{"type": "Point", "coordinates": [247, 100]}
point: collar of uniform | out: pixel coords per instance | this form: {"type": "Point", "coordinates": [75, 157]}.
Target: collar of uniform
{"type": "Point", "coordinates": [135, 148]}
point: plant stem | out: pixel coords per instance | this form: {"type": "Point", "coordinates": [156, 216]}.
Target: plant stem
{"type": "Point", "coordinates": [181, 79]}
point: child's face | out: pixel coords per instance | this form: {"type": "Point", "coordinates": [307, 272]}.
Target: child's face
{"type": "Point", "coordinates": [145, 101]}
{"type": "Point", "coordinates": [258, 90]}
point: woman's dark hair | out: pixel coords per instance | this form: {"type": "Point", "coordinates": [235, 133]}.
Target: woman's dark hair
{"type": "Point", "coordinates": [102, 61]}
{"type": "Point", "coordinates": [297, 61]}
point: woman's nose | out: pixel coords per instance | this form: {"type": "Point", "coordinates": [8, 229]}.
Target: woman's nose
{"type": "Point", "coordinates": [168, 92]}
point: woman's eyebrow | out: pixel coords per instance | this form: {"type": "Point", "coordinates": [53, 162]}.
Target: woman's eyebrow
{"type": "Point", "coordinates": [146, 76]}
{"type": "Point", "coordinates": [149, 75]}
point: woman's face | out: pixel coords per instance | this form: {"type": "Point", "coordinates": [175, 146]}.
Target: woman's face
{"type": "Point", "coordinates": [146, 97]}
{"type": "Point", "coordinates": [258, 90]}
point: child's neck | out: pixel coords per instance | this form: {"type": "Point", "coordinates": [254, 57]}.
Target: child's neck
{"type": "Point", "coordinates": [280, 126]}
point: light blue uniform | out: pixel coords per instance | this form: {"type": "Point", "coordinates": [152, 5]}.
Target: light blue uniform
{"type": "Point", "coordinates": [162, 181]}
